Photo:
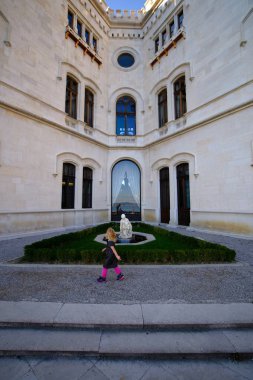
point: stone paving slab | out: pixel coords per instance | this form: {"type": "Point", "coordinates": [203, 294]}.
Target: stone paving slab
{"type": "Point", "coordinates": [49, 341]}
{"type": "Point", "coordinates": [28, 312]}
{"type": "Point", "coordinates": [106, 315]}
{"type": "Point", "coordinates": [173, 343]}
{"type": "Point", "coordinates": [201, 315]}
{"type": "Point", "coordinates": [25, 368]}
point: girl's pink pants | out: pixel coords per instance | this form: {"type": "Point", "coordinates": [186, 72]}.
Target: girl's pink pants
{"type": "Point", "coordinates": [104, 271]}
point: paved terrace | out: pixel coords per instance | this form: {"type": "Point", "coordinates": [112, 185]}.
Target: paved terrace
{"type": "Point", "coordinates": [224, 283]}
{"type": "Point", "coordinates": [191, 295]}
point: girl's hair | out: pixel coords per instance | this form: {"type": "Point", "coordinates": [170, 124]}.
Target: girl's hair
{"type": "Point", "coordinates": [111, 234]}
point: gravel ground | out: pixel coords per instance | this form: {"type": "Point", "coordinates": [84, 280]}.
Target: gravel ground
{"type": "Point", "coordinates": [154, 284]}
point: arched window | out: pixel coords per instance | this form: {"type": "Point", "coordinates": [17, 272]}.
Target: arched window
{"type": "Point", "coordinates": [71, 97]}
{"type": "Point", "coordinates": [125, 116]}
{"type": "Point", "coordinates": [87, 188]}
{"type": "Point", "coordinates": [68, 186]}
{"type": "Point", "coordinates": [180, 97]}
{"type": "Point", "coordinates": [126, 190]}
{"type": "Point", "coordinates": [162, 108]}
{"type": "Point", "coordinates": [88, 107]}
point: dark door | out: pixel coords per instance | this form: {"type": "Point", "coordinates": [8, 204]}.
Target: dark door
{"type": "Point", "coordinates": [165, 195]}
{"type": "Point", "coordinates": [68, 186]}
{"type": "Point", "coordinates": [183, 194]}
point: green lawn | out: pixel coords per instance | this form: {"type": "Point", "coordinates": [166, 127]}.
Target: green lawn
{"type": "Point", "coordinates": [168, 248]}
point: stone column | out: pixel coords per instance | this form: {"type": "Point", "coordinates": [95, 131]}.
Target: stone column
{"type": "Point", "coordinates": [75, 23]}
{"type": "Point", "coordinates": [81, 101]}
{"type": "Point", "coordinates": [160, 41]}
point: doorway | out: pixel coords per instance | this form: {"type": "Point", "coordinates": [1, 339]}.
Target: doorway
{"type": "Point", "coordinates": [165, 195]}
{"type": "Point", "coordinates": [183, 194]}
{"type": "Point", "coordinates": [126, 191]}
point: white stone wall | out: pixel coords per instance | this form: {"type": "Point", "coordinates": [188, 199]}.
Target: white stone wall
{"type": "Point", "coordinates": [215, 136]}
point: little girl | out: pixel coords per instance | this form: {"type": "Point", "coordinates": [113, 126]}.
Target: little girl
{"type": "Point", "coordinates": [112, 257]}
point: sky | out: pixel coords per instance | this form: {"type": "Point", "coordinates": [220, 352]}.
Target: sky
{"type": "Point", "coordinates": [125, 4]}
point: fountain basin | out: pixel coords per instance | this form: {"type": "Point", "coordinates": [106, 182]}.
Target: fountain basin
{"type": "Point", "coordinates": [136, 239]}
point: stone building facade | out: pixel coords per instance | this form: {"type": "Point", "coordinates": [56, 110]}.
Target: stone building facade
{"type": "Point", "coordinates": [97, 103]}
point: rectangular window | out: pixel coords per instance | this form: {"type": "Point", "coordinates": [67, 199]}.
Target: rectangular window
{"type": "Point", "coordinates": [180, 18]}
{"type": "Point", "coordinates": [70, 19]}
{"type": "Point", "coordinates": [164, 35]}
{"type": "Point", "coordinates": [156, 45]}
{"type": "Point", "coordinates": [94, 43]}
{"type": "Point", "coordinates": [87, 188]}
{"type": "Point", "coordinates": [120, 128]}
{"type": "Point", "coordinates": [87, 36]}
{"type": "Point", "coordinates": [88, 107]}
{"type": "Point", "coordinates": [172, 28]}
{"type": "Point", "coordinates": [79, 28]}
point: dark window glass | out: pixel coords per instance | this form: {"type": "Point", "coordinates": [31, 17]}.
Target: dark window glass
{"type": "Point", "coordinates": [87, 36]}
{"type": "Point", "coordinates": [68, 186]}
{"type": "Point", "coordinates": [180, 97]}
{"type": "Point", "coordinates": [70, 19]}
{"type": "Point", "coordinates": [88, 107]}
{"type": "Point", "coordinates": [126, 190]}
{"type": "Point", "coordinates": [94, 43]}
{"type": "Point", "coordinates": [162, 107]}
{"type": "Point", "coordinates": [180, 18]}
{"type": "Point", "coordinates": [172, 28]}
{"type": "Point", "coordinates": [71, 97]}
{"type": "Point", "coordinates": [156, 45]}
{"type": "Point", "coordinates": [87, 188]}
{"type": "Point", "coordinates": [125, 60]}
{"type": "Point", "coordinates": [164, 35]}
{"type": "Point", "coordinates": [125, 116]}
{"type": "Point", "coordinates": [79, 28]}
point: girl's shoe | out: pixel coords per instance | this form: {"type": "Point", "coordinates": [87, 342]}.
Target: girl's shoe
{"type": "Point", "coordinates": [120, 277]}
{"type": "Point", "coordinates": [101, 279]}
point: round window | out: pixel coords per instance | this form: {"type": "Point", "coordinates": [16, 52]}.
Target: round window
{"type": "Point", "coordinates": [125, 60]}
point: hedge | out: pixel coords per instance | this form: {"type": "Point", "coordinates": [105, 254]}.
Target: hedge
{"type": "Point", "coordinates": [168, 248]}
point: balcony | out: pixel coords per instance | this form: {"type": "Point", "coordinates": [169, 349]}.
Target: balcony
{"type": "Point", "coordinates": [87, 49]}
{"type": "Point", "coordinates": [172, 43]}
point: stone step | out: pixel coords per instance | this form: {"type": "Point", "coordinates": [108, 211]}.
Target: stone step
{"type": "Point", "coordinates": [118, 316]}
{"type": "Point", "coordinates": [227, 343]}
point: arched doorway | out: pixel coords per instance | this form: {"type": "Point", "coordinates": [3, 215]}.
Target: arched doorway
{"type": "Point", "coordinates": [126, 190]}
{"type": "Point", "coordinates": [165, 195]}
{"type": "Point", "coordinates": [183, 194]}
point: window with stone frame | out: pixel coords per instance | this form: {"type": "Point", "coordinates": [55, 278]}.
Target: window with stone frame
{"type": "Point", "coordinates": [70, 19]}
{"type": "Point", "coordinates": [89, 107]}
{"type": "Point", "coordinates": [68, 186]}
{"type": "Point", "coordinates": [156, 44]}
{"type": "Point", "coordinates": [79, 27]}
{"type": "Point", "coordinates": [162, 108]}
{"type": "Point", "coordinates": [95, 44]}
{"type": "Point", "coordinates": [180, 97]}
{"type": "Point", "coordinates": [126, 116]}
{"type": "Point", "coordinates": [71, 97]}
{"type": "Point", "coordinates": [87, 188]}
{"type": "Point", "coordinates": [172, 28]}
{"type": "Point", "coordinates": [87, 36]}
{"type": "Point", "coordinates": [180, 19]}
